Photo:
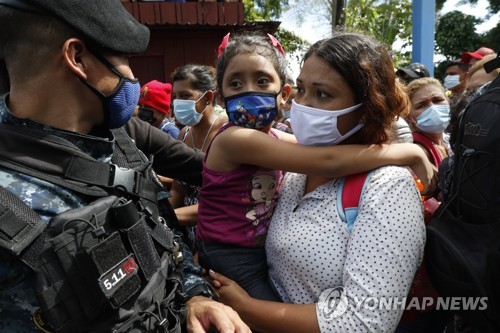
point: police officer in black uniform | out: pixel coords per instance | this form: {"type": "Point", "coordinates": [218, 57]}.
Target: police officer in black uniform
{"type": "Point", "coordinates": [71, 94]}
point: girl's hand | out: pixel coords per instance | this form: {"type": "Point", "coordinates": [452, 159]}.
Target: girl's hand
{"type": "Point", "coordinates": [230, 292]}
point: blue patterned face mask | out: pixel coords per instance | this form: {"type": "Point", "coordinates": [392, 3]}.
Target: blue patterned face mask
{"type": "Point", "coordinates": [252, 109]}
{"type": "Point", "coordinates": [120, 104]}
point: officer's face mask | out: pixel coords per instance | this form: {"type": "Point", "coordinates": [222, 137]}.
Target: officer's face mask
{"type": "Point", "coordinates": [120, 104]}
{"type": "Point", "coordinates": [317, 127]}
{"type": "Point", "coordinates": [434, 119]}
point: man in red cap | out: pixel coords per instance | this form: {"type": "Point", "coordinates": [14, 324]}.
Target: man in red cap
{"type": "Point", "coordinates": [154, 107]}
{"type": "Point", "coordinates": [472, 57]}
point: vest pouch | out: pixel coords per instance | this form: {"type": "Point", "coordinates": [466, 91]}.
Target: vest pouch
{"type": "Point", "coordinates": [67, 286]}
{"type": "Point", "coordinates": [117, 270]}
{"type": "Point", "coordinates": [132, 225]}
{"type": "Point", "coordinates": [142, 245]}
{"type": "Point", "coordinates": [158, 307]}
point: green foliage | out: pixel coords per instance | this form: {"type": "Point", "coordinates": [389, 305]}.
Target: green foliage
{"type": "Point", "coordinates": [492, 38]}
{"type": "Point", "coordinates": [494, 6]}
{"type": "Point", "coordinates": [264, 10]}
{"type": "Point", "coordinates": [455, 32]}
{"type": "Point", "coordinates": [386, 21]}
{"type": "Point", "coordinates": [361, 15]}
{"type": "Point", "coordinates": [439, 5]}
{"type": "Point", "coordinates": [293, 44]}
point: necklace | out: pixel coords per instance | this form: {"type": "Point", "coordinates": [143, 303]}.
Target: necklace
{"type": "Point", "coordinates": [206, 136]}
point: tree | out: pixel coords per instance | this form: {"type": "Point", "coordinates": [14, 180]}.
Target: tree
{"type": "Point", "coordinates": [492, 37]}
{"type": "Point", "coordinates": [386, 20]}
{"type": "Point", "coordinates": [267, 10]}
{"type": "Point", "coordinates": [494, 6]}
{"type": "Point", "coordinates": [455, 32]}
{"type": "Point", "coordinates": [264, 10]}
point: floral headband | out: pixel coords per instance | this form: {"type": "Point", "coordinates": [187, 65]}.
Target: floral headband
{"type": "Point", "coordinates": [274, 42]}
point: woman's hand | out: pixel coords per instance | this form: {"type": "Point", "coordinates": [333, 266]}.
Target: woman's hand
{"type": "Point", "coordinates": [230, 292]}
{"type": "Point", "coordinates": [425, 171]}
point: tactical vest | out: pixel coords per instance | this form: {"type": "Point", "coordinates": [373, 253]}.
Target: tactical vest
{"type": "Point", "coordinates": [108, 267]}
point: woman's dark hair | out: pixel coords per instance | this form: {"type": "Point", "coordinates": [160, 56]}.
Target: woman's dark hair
{"type": "Point", "coordinates": [367, 67]}
{"type": "Point", "coordinates": [251, 42]}
{"type": "Point", "coordinates": [201, 77]}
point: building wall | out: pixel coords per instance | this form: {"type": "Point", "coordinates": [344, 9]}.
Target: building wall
{"type": "Point", "coordinates": [172, 48]}
{"type": "Point", "coordinates": [182, 33]}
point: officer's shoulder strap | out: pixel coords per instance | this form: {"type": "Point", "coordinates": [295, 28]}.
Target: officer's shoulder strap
{"type": "Point", "coordinates": [55, 160]}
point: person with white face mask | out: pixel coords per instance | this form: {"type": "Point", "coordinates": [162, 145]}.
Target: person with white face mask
{"type": "Point", "coordinates": [347, 93]}
{"type": "Point", "coordinates": [455, 79]}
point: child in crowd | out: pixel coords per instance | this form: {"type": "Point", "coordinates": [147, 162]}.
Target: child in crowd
{"type": "Point", "coordinates": [242, 168]}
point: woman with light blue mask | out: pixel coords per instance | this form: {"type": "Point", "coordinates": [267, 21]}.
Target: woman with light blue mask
{"type": "Point", "coordinates": [194, 106]}
{"type": "Point", "coordinates": [429, 117]}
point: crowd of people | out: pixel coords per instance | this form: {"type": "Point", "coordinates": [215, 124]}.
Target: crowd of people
{"type": "Point", "coordinates": [234, 198]}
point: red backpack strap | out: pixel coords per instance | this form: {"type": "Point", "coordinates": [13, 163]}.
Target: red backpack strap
{"type": "Point", "coordinates": [351, 188]}
{"type": "Point", "coordinates": [429, 145]}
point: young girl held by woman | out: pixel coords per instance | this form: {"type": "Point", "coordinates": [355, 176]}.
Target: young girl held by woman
{"type": "Point", "coordinates": [242, 174]}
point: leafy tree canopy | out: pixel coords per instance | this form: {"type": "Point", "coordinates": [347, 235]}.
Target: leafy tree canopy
{"type": "Point", "coordinates": [455, 32]}
{"type": "Point", "coordinates": [266, 10]}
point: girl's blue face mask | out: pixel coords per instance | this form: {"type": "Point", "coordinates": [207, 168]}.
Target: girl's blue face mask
{"type": "Point", "coordinates": [252, 109]}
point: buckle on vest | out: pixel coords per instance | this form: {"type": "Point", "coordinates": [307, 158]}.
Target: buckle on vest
{"type": "Point", "coordinates": [177, 254]}
{"type": "Point", "coordinates": [122, 177]}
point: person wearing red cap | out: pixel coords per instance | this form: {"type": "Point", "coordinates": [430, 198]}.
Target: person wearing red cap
{"type": "Point", "coordinates": [154, 107]}
{"type": "Point", "coordinates": [472, 57]}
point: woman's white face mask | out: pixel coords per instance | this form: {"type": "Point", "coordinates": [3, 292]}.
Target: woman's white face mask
{"type": "Point", "coordinates": [317, 127]}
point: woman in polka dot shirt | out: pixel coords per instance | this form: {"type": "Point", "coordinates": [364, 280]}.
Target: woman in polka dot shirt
{"type": "Point", "coordinates": [330, 278]}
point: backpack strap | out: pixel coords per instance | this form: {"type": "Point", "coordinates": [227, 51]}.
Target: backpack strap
{"type": "Point", "coordinates": [349, 196]}
{"type": "Point", "coordinates": [421, 139]}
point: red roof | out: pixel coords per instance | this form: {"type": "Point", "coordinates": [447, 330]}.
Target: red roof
{"type": "Point", "coordinates": [187, 13]}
